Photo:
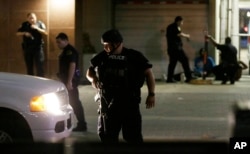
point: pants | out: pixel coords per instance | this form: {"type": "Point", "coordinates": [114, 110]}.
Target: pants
{"type": "Point", "coordinates": [218, 72]}
{"type": "Point", "coordinates": [229, 73]}
{"type": "Point", "coordinates": [174, 57]}
{"type": "Point", "coordinates": [226, 73]}
{"type": "Point", "coordinates": [121, 117]}
{"type": "Point", "coordinates": [76, 104]}
{"type": "Point", "coordinates": [34, 55]}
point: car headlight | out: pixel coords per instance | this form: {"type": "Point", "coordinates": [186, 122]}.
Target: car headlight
{"type": "Point", "coordinates": [47, 102]}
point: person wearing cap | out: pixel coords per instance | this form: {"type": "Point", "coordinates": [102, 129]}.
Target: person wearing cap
{"type": "Point", "coordinates": [69, 74]}
{"type": "Point", "coordinates": [118, 73]}
{"type": "Point", "coordinates": [175, 50]}
{"type": "Point", "coordinates": [32, 32]}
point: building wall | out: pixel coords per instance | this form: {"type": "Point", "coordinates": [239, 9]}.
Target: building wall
{"type": "Point", "coordinates": [57, 19]}
{"type": "Point", "coordinates": [75, 18]}
{"type": "Point", "coordinates": [61, 18]}
{"type": "Point", "coordinates": [12, 15]}
{"type": "Point", "coordinates": [93, 17]}
{"type": "Point", "coordinates": [143, 25]}
{"type": "Point", "coordinates": [96, 19]}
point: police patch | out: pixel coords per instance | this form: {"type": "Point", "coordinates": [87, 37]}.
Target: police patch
{"type": "Point", "coordinates": [42, 25]}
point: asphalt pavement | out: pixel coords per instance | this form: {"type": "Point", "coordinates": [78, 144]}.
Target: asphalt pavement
{"type": "Point", "coordinates": [183, 112]}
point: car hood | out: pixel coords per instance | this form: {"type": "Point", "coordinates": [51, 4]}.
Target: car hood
{"type": "Point", "coordinates": [36, 85]}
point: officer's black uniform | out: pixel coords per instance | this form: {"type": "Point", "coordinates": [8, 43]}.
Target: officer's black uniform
{"type": "Point", "coordinates": [33, 48]}
{"type": "Point", "coordinates": [176, 52]}
{"type": "Point", "coordinates": [68, 55]}
{"type": "Point", "coordinates": [229, 63]}
{"type": "Point", "coordinates": [121, 77]}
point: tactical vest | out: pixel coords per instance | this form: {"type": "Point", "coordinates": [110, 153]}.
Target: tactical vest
{"type": "Point", "coordinates": [113, 73]}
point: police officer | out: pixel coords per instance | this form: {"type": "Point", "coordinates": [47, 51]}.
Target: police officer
{"type": "Point", "coordinates": [32, 45]}
{"type": "Point", "coordinates": [69, 74]}
{"type": "Point", "coordinates": [176, 53]}
{"type": "Point", "coordinates": [229, 63]}
{"type": "Point", "coordinates": [118, 73]}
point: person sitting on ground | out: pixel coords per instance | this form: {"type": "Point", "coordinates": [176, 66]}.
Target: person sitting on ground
{"type": "Point", "coordinates": [200, 67]}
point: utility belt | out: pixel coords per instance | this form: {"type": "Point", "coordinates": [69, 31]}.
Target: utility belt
{"type": "Point", "coordinates": [120, 91]}
{"type": "Point", "coordinates": [117, 96]}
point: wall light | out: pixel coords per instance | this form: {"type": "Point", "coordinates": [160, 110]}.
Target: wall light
{"type": "Point", "coordinates": [61, 4]}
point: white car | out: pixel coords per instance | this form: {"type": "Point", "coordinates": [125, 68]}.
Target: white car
{"type": "Point", "coordinates": [33, 109]}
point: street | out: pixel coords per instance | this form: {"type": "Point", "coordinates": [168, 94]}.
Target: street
{"type": "Point", "coordinates": [183, 112]}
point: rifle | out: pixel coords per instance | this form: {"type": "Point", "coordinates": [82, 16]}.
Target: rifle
{"type": "Point", "coordinates": [104, 105]}
{"type": "Point", "coordinates": [205, 55]}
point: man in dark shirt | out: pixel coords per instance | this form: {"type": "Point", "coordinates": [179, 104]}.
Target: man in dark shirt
{"type": "Point", "coordinates": [69, 74]}
{"type": "Point", "coordinates": [229, 63]}
{"type": "Point", "coordinates": [175, 50]}
{"type": "Point", "coordinates": [118, 73]}
{"type": "Point", "coordinates": [32, 31]}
